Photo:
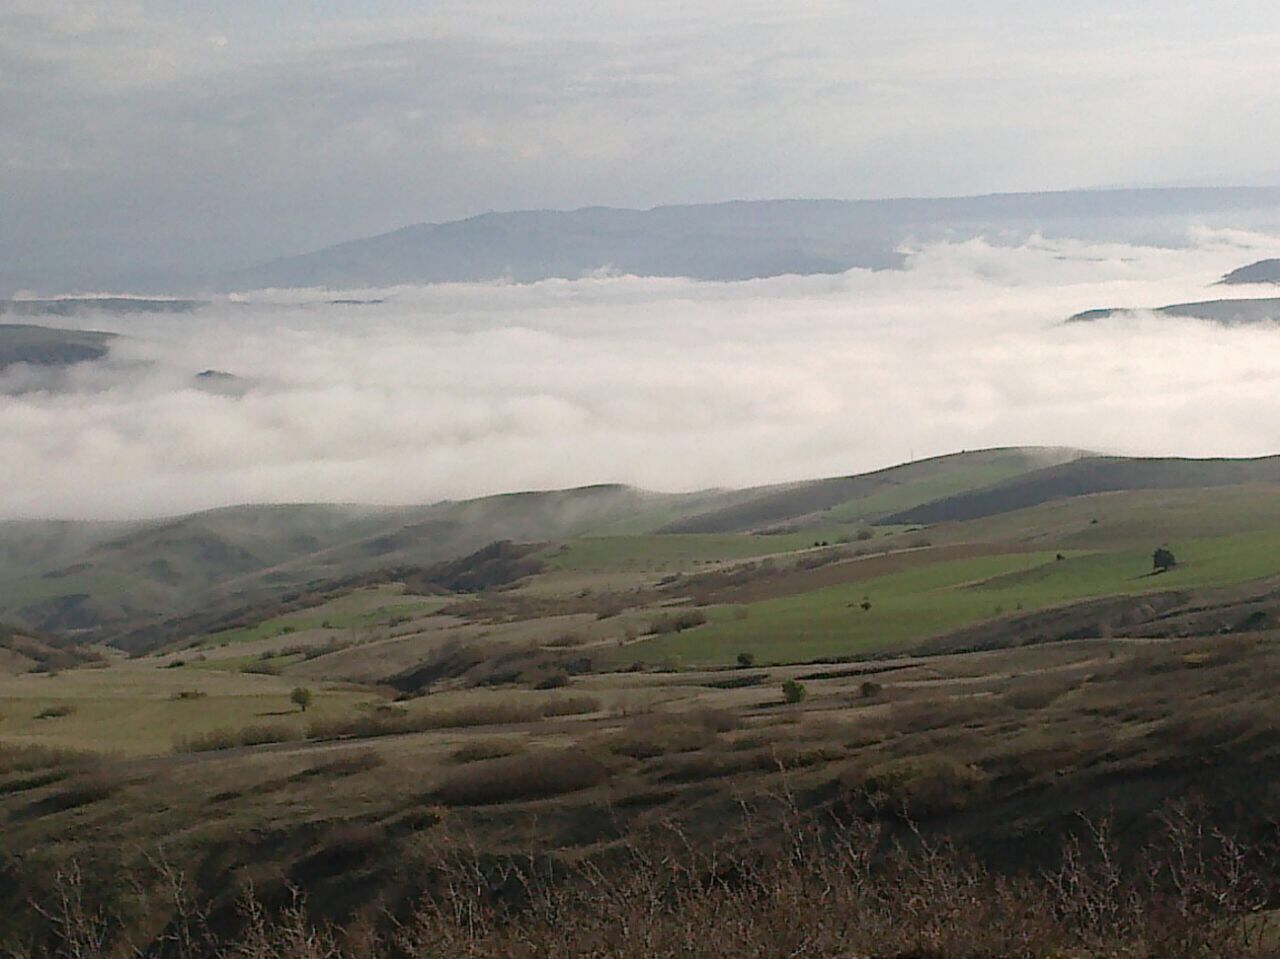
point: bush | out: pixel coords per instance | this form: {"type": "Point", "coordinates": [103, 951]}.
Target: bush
{"type": "Point", "coordinates": [870, 689]}
{"type": "Point", "coordinates": [15, 758]}
{"type": "Point", "coordinates": [920, 787]}
{"type": "Point", "coordinates": [261, 669]}
{"type": "Point", "coordinates": [480, 714]}
{"type": "Point", "coordinates": [534, 775]}
{"type": "Point", "coordinates": [554, 680]}
{"type": "Point", "coordinates": [794, 692]}
{"type": "Point", "coordinates": [56, 712]}
{"type": "Point", "coordinates": [216, 739]}
{"type": "Point", "coordinates": [746, 660]}
{"type": "Point", "coordinates": [677, 622]}
{"type": "Point", "coordinates": [488, 748]}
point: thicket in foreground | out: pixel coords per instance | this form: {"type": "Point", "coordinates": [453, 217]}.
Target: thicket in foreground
{"type": "Point", "coordinates": [822, 894]}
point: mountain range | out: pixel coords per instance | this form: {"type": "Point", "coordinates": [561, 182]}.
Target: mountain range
{"type": "Point", "coordinates": [746, 239]}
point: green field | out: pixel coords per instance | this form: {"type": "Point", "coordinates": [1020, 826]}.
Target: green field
{"type": "Point", "coordinates": [946, 596]}
{"type": "Point", "coordinates": [135, 709]}
{"type": "Point", "coordinates": [378, 609]}
{"type": "Point", "coordinates": [670, 552]}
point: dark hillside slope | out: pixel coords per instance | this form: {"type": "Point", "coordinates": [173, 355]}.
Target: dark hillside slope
{"type": "Point", "coordinates": [1225, 312]}
{"type": "Point", "coordinates": [1093, 474]}
{"type": "Point", "coordinates": [800, 501]}
{"type": "Point", "coordinates": [47, 346]}
{"type": "Point", "coordinates": [1264, 271]}
{"type": "Point", "coordinates": [124, 577]}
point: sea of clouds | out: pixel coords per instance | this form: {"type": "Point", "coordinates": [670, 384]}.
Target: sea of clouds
{"type": "Point", "coordinates": [462, 390]}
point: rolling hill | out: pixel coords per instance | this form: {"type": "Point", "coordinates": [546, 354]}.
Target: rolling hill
{"type": "Point", "coordinates": [122, 582]}
{"type": "Point", "coordinates": [1089, 475]}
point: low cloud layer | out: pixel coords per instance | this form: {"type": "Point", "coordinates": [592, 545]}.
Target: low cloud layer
{"type": "Point", "coordinates": [462, 390]}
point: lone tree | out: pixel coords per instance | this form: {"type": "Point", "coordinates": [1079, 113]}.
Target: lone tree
{"type": "Point", "coordinates": [301, 697]}
{"type": "Point", "coordinates": [1163, 559]}
{"type": "Point", "coordinates": [794, 692]}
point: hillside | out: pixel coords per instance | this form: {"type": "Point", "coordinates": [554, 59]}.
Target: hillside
{"type": "Point", "coordinates": [1225, 312]}
{"type": "Point", "coordinates": [145, 583]}
{"type": "Point", "coordinates": [736, 240]}
{"type": "Point", "coordinates": [47, 346]}
{"type": "Point", "coordinates": [1089, 475]}
{"type": "Point", "coordinates": [1264, 271]}
{"type": "Point", "coordinates": [105, 580]}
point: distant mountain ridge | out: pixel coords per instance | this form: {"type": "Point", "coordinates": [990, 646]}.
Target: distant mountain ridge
{"type": "Point", "coordinates": [49, 347]}
{"type": "Point", "coordinates": [1224, 312]}
{"type": "Point", "coordinates": [1264, 271]}
{"type": "Point", "coordinates": [736, 240]}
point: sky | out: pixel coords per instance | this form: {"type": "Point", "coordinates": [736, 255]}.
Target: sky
{"type": "Point", "coordinates": [149, 140]}
{"type": "Point", "coordinates": [460, 390]}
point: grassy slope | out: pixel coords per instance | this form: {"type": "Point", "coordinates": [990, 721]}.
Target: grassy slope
{"type": "Point", "coordinates": [944, 596]}
{"type": "Point", "coordinates": [131, 709]}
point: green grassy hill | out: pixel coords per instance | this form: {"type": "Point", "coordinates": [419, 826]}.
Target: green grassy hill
{"type": "Point", "coordinates": [809, 549]}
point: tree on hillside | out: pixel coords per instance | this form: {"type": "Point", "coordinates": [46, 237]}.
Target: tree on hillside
{"type": "Point", "coordinates": [794, 692]}
{"type": "Point", "coordinates": [1163, 559]}
{"type": "Point", "coordinates": [301, 697]}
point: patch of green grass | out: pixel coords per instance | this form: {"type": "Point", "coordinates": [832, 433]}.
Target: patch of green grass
{"type": "Point", "coordinates": [133, 710]}
{"type": "Point", "coordinates": [935, 599]}
{"type": "Point", "coordinates": [312, 619]}
{"type": "Point", "coordinates": [669, 552]}
{"type": "Point", "coordinates": [831, 622]}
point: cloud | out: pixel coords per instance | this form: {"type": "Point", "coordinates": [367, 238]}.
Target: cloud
{"type": "Point", "coordinates": [134, 143]}
{"type": "Point", "coordinates": [467, 389]}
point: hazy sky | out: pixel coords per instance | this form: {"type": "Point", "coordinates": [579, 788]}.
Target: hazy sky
{"type": "Point", "coordinates": [458, 390]}
{"type": "Point", "coordinates": [196, 134]}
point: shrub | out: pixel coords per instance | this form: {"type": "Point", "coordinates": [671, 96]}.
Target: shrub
{"type": "Point", "coordinates": [677, 622]}
{"type": "Point", "coordinates": [794, 692]}
{"type": "Point", "coordinates": [257, 735]}
{"type": "Point", "coordinates": [479, 714]}
{"type": "Point", "coordinates": [870, 689]}
{"type": "Point", "coordinates": [922, 786]}
{"type": "Point", "coordinates": [186, 694]}
{"type": "Point", "coordinates": [56, 712]}
{"type": "Point", "coordinates": [535, 775]}
{"type": "Point", "coordinates": [553, 681]}
{"type": "Point", "coordinates": [746, 660]}
{"type": "Point", "coordinates": [356, 762]}
{"type": "Point", "coordinates": [15, 758]}
{"type": "Point", "coordinates": [488, 748]}
{"type": "Point", "coordinates": [90, 787]}
{"type": "Point", "coordinates": [662, 733]}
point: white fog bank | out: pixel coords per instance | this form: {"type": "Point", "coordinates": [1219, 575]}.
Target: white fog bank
{"type": "Point", "coordinates": [462, 390]}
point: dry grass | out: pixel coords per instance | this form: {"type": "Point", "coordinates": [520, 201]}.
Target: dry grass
{"type": "Point", "coordinates": [534, 775]}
